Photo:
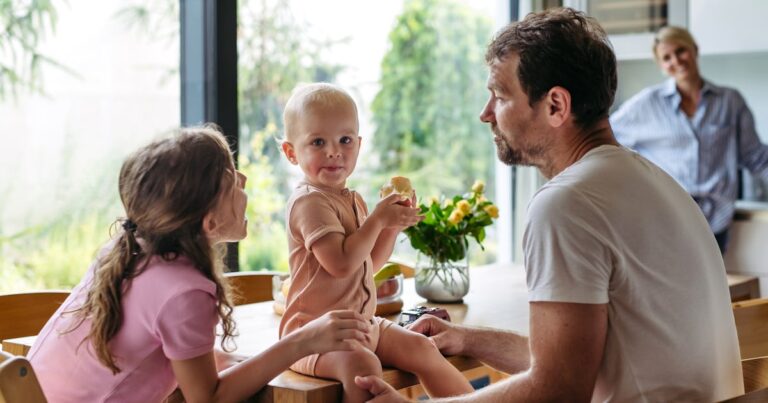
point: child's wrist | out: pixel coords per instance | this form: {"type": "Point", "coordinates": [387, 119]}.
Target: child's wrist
{"type": "Point", "coordinates": [391, 231]}
{"type": "Point", "coordinates": [298, 348]}
{"type": "Point", "coordinates": [376, 222]}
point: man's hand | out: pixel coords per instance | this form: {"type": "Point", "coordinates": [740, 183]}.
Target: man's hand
{"type": "Point", "coordinates": [449, 338]}
{"type": "Point", "coordinates": [382, 392]}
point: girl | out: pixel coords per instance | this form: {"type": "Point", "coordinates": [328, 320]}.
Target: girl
{"type": "Point", "coordinates": [143, 318]}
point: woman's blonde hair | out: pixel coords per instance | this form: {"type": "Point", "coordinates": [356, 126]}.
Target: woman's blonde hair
{"type": "Point", "coordinates": [166, 187]}
{"type": "Point", "coordinates": [672, 34]}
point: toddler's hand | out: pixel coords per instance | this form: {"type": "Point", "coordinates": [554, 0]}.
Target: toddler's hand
{"type": "Point", "coordinates": [394, 215]}
{"type": "Point", "coordinates": [336, 330]}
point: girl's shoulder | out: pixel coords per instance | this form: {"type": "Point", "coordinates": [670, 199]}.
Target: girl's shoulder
{"type": "Point", "coordinates": [171, 277]}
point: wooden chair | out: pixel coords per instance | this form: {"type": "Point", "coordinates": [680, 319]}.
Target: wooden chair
{"type": "Point", "coordinates": [752, 327]}
{"type": "Point", "coordinates": [755, 381]}
{"type": "Point", "coordinates": [18, 382]}
{"type": "Point", "coordinates": [755, 373]}
{"type": "Point", "coordinates": [249, 287]}
{"type": "Point", "coordinates": [25, 314]}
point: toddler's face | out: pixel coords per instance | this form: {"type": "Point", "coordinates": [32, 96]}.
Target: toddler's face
{"type": "Point", "coordinates": [326, 145]}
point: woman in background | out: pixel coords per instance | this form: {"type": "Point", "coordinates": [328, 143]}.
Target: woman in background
{"type": "Point", "coordinates": [698, 132]}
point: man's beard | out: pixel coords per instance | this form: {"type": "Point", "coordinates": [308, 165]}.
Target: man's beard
{"type": "Point", "coordinates": [504, 152]}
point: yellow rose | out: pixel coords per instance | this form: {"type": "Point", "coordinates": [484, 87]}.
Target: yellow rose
{"type": "Point", "coordinates": [478, 187]}
{"type": "Point", "coordinates": [447, 202]}
{"type": "Point", "coordinates": [432, 200]}
{"type": "Point", "coordinates": [455, 217]}
{"type": "Point", "coordinates": [492, 211]}
{"type": "Point", "coordinates": [481, 199]}
{"type": "Point", "coordinates": [464, 207]}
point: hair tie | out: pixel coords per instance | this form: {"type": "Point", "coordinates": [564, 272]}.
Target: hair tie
{"type": "Point", "coordinates": [129, 226]}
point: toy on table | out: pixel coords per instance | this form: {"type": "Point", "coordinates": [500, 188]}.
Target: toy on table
{"type": "Point", "coordinates": [409, 316]}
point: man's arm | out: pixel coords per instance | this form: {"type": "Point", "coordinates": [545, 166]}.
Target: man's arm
{"type": "Point", "coordinates": [484, 344]}
{"type": "Point", "coordinates": [487, 344]}
{"type": "Point", "coordinates": [567, 343]}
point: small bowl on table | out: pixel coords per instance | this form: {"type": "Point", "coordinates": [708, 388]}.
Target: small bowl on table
{"type": "Point", "coordinates": [388, 296]}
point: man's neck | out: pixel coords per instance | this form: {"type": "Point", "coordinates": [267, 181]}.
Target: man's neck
{"type": "Point", "coordinates": [574, 144]}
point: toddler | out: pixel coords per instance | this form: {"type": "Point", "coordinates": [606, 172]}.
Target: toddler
{"type": "Point", "coordinates": [335, 247]}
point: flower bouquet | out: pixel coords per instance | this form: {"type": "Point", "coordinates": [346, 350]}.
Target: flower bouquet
{"type": "Point", "coordinates": [443, 237]}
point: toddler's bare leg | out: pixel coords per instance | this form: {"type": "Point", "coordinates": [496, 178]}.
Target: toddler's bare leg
{"type": "Point", "coordinates": [344, 366]}
{"type": "Point", "coordinates": [415, 353]}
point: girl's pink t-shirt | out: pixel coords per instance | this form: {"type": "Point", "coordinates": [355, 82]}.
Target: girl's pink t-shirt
{"type": "Point", "coordinates": [169, 313]}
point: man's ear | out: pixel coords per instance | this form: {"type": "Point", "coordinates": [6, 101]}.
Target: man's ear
{"type": "Point", "coordinates": [558, 106]}
{"type": "Point", "coordinates": [289, 152]}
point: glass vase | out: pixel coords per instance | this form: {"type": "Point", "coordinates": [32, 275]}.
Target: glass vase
{"type": "Point", "coordinates": [443, 281]}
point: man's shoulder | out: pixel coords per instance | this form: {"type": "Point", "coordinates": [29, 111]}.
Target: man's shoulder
{"type": "Point", "coordinates": [560, 196]}
{"type": "Point", "coordinates": [577, 187]}
{"type": "Point", "coordinates": [593, 165]}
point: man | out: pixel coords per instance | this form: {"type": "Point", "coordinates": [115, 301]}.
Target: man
{"type": "Point", "coordinates": [627, 291]}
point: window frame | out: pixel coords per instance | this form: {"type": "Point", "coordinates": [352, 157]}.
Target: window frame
{"type": "Point", "coordinates": [208, 73]}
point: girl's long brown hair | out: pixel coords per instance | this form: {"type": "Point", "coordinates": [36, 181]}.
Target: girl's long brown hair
{"type": "Point", "coordinates": [166, 187]}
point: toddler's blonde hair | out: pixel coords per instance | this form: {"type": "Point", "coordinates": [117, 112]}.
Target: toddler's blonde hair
{"type": "Point", "coordinates": [307, 98]}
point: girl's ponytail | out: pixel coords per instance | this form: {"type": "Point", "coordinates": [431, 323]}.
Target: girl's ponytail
{"type": "Point", "coordinates": [103, 304]}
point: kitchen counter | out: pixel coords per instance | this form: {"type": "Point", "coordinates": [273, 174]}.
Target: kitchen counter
{"type": "Point", "coordinates": [747, 252]}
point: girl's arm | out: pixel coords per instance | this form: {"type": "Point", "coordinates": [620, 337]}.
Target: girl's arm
{"type": "Point", "coordinates": [341, 255]}
{"type": "Point", "coordinates": [225, 360]}
{"type": "Point", "coordinates": [199, 381]}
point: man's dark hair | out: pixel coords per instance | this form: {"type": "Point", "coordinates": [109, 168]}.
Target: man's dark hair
{"type": "Point", "coordinates": [562, 47]}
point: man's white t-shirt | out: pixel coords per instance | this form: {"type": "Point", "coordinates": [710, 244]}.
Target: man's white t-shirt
{"type": "Point", "coordinates": [615, 229]}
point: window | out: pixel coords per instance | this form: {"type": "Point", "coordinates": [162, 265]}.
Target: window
{"type": "Point", "coordinates": [416, 70]}
{"type": "Point", "coordinates": [102, 78]}
{"type": "Point", "coordinates": [92, 87]}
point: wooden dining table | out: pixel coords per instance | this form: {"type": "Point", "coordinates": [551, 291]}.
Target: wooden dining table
{"type": "Point", "coordinates": [497, 298]}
